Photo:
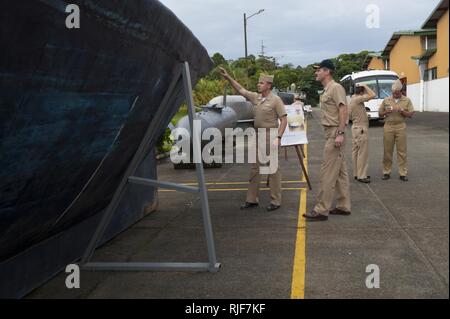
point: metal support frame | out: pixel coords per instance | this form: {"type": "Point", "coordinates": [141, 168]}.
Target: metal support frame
{"type": "Point", "coordinates": [182, 73]}
{"type": "Point", "coordinates": [301, 155]}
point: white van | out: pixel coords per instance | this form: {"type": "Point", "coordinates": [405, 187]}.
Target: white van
{"type": "Point", "coordinates": [380, 81]}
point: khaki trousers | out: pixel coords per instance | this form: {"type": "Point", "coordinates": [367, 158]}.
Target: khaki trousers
{"type": "Point", "coordinates": [395, 135]}
{"type": "Point", "coordinates": [360, 151]}
{"type": "Point", "coordinates": [255, 179]}
{"type": "Point", "coordinates": [333, 177]}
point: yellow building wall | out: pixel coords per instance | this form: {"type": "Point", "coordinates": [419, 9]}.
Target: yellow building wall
{"type": "Point", "coordinates": [440, 58]}
{"type": "Point", "coordinates": [400, 58]}
{"type": "Point", "coordinates": [376, 64]}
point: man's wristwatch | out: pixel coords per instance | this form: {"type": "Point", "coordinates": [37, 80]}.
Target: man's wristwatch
{"type": "Point", "coordinates": [279, 137]}
{"type": "Point", "coordinates": [340, 132]}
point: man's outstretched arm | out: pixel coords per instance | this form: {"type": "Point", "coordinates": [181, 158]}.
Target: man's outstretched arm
{"type": "Point", "coordinates": [239, 88]}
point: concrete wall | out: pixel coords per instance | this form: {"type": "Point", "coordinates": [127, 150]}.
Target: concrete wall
{"type": "Point", "coordinates": [400, 58]}
{"type": "Point", "coordinates": [440, 58]}
{"type": "Point", "coordinates": [413, 91]}
{"type": "Point", "coordinates": [436, 95]}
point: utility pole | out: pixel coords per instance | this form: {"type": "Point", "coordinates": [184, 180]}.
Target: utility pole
{"type": "Point", "coordinates": [245, 35]}
{"type": "Point", "coordinates": [245, 29]}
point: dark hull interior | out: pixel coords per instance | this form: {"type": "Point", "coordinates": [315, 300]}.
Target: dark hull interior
{"type": "Point", "coordinates": [74, 107]}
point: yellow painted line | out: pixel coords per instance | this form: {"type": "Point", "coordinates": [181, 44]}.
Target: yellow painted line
{"type": "Point", "coordinates": [245, 189]}
{"type": "Point", "coordinates": [236, 183]}
{"type": "Point", "coordinates": [239, 189]}
{"type": "Point", "coordinates": [299, 269]}
{"type": "Point", "coordinates": [298, 273]}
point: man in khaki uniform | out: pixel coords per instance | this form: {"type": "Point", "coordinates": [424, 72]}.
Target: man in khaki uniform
{"type": "Point", "coordinates": [360, 132]}
{"type": "Point", "coordinates": [333, 174]}
{"type": "Point", "coordinates": [395, 109]}
{"type": "Point", "coordinates": [268, 109]}
{"type": "Point", "coordinates": [298, 102]}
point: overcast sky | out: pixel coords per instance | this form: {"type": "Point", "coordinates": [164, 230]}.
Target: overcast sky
{"type": "Point", "coordinates": [297, 31]}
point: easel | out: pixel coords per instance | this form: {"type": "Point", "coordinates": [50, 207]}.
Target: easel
{"type": "Point", "coordinates": [301, 155]}
{"type": "Point", "coordinates": [181, 74]}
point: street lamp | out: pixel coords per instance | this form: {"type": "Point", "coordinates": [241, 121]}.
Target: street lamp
{"type": "Point", "coordinates": [245, 28]}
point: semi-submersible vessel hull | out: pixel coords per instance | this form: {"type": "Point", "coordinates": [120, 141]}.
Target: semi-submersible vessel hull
{"type": "Point", "coordinates": [75, 104]}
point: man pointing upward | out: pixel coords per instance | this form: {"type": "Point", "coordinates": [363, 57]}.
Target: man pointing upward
{"type": "Point", "coordinates": [267, 109]}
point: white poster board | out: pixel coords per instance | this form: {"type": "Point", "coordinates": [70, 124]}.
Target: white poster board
{"type": "Point", "coordinates": [295, 133]}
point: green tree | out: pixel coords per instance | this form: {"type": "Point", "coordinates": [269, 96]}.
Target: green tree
{"type": "Point", "coordinates": [265, 64]}
{"type": "Point", "coordinates": [205, 90]}
{"type": "Point", "coordinates": [348, 63]}
{"type": "Point", "coordinates": [218, 59]}
{"type": "Point", "coordinates": [247, 72]}
{"type": "Point", "coordinates": [307, 83]}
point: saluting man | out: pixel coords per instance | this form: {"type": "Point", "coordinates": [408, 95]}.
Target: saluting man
{"type": "Point", "coordinates": [395, 109]}
{"type": "Point", "coordinates": [334, 179]}
{"type": "Point", "coordinates": [268, 109]}
{"type": "Point", "coordinates": [360, 131]}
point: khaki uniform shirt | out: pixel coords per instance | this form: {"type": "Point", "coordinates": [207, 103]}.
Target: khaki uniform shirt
{"type": "Point", "coordinates": [358, 113]}
{"type": "Point", "coordinates": [332, 96]}
{"type": "Point", "coordinates": [266, 110]}
{"type": "Point", "coordinates": [404, 103]}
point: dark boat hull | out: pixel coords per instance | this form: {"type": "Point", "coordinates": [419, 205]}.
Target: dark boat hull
{"type": "Point", "coordinates": [75, 104]}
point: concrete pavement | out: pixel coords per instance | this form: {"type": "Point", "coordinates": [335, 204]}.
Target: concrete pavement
{"type": "Point", "coordinates": [401, 227]}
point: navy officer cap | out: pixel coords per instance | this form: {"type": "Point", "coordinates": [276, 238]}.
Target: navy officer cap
{"type": "Point", "coordinates": [326, 64]}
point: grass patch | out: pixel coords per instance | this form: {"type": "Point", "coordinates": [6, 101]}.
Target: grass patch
{"type": "Point", "coordinates": [181, 113]}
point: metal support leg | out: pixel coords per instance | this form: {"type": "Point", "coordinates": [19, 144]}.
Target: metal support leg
{"type": "Point", "coordinates": [300, 159]}
{"type": "Point", "coordinates": [213, 265]}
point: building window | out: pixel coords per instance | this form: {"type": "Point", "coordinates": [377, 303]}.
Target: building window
{"type": "Point", "coordinates": [429, 42]}
{"type": "Point", "coordinates": [430, 74]}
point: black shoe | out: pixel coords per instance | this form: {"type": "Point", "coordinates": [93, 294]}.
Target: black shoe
{"type": "Point", "coordinates": [249, 205]}
{"type": "Point", "coordinates": [338, 211]}
{"type": "Point", "coordinates": [364, 180]}
{"type": "Point", "coordinates": [315, 217]}
{"type": "Point", "coordinates": [386, 177]}
{"type": "Point", "coordinates": [404, 178]}
{"type": "Point", "coordinates": [272, 207]}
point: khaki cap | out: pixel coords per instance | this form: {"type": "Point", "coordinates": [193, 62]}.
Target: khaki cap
{"type": "Point", "coordinates": [266, 78]}
{"type": "Point", "coordinates": [397, 86]}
